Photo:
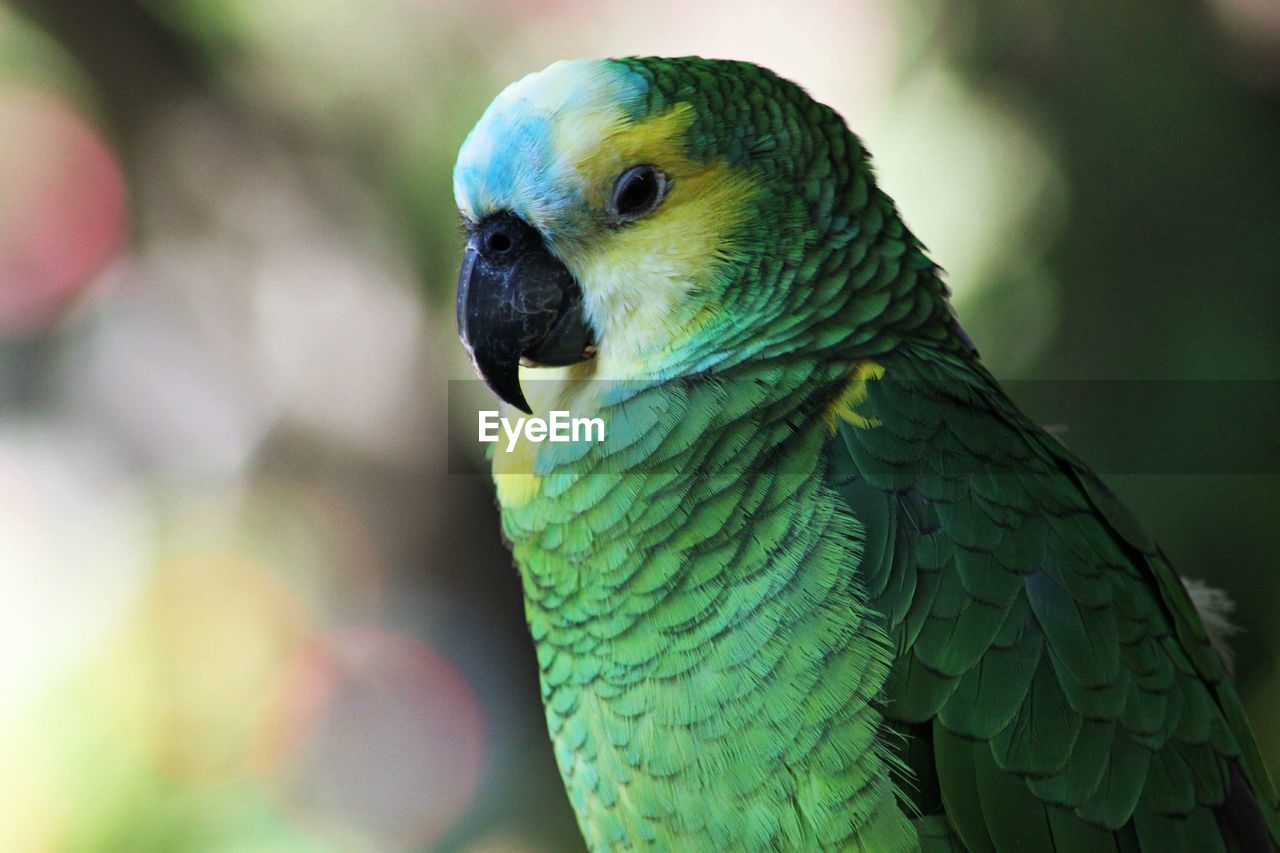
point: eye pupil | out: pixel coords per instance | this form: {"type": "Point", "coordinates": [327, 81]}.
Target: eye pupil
{"type": "Point", "coordinates": [638, 191]}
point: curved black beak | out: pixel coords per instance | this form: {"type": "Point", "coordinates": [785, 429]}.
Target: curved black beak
{"type": "Point", "coordinates": [517, 303]}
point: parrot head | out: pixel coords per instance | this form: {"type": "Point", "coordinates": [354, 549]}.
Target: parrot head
{"type": "Point", "coordinates": [646, 218]}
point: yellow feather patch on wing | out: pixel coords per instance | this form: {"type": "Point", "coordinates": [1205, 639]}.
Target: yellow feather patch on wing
{"type": "Point", "coordinates": [845, 407]}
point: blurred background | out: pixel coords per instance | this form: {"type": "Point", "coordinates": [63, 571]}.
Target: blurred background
{"type": "Point", "coordinates": [246, 603]}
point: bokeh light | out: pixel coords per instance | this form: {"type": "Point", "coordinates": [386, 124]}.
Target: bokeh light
{"type": "Point", "coordinates": [392, 740]}
{"type": "Point", "coordinates": [62, 207]}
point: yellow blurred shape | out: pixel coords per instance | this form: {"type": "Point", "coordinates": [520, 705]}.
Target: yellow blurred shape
{"type": "Point", "coordinates": [198, 666]}
{"type": "Point", "coordinates": [30, 810]}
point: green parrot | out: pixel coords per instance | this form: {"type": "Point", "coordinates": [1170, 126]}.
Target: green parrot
{"type": "Point", "coordinates": [821, 585]}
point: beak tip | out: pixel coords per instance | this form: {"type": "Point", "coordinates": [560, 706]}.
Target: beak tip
{"type": "Point", "coordinates": [501, 378]}
{"type": "Point", "coordinates": [515, 397]}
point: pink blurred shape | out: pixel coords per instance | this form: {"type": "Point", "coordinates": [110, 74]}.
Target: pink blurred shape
{"type": "Point", "coordinates": [62, 208]}
{"type": "Point", "coordinates": [381, 737]}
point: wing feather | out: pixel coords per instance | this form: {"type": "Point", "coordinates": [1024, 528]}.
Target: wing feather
{"type": "Point", "coordinates": [1057, 688]}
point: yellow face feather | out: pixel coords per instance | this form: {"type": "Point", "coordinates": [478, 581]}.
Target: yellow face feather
{"type": "Point", "coordinates": [642, 281]}
{"type": "Point", "coordinates": [551, 148]}
{"type": "Point", "coordinates": [513, 473]}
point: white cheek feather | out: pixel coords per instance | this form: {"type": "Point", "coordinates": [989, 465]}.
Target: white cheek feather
{"type": "Point", "coordinates": [638, 307]}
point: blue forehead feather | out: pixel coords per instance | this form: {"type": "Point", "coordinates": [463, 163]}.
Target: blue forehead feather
{"type": "Point", "coordinates": [509, 161]}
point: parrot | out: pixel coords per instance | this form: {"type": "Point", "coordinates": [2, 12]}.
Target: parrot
{"type": "Point", "coordinates": [820, 584]}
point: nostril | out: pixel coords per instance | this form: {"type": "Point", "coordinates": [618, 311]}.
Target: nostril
{"type": "Point", "coordinates": [498, 242]}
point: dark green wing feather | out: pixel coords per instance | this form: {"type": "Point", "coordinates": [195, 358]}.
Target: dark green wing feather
{"type": "Point", "coordinates": [1054, 684]}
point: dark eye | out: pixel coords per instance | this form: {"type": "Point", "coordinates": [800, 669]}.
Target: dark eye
{"type": "Point", "coordinates": [639, 191]}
